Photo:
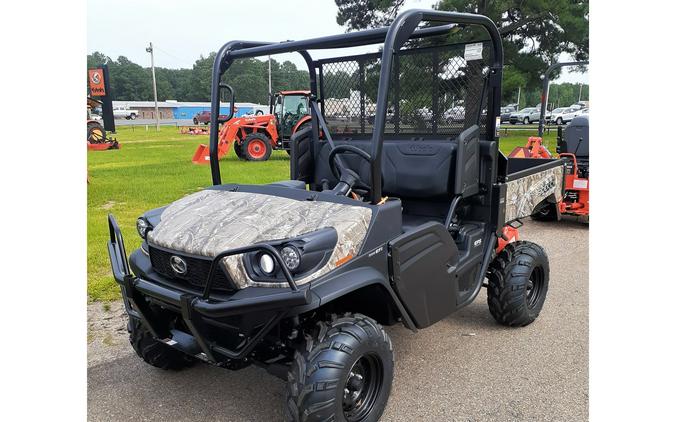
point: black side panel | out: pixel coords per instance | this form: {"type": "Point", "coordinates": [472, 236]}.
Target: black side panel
{"type": "Point", "coordinates": [301, 155]}
{"type": "Point", "coordinates": [467, 170]}
{"type": "Point", "coordinates": [423, 262]}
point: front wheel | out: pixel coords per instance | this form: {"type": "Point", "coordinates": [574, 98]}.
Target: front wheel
{"type": "Point", "coordinates": [133, 116]}
{"type": "Point", "coordinates": [559, 121]}
{"type": "Point", "coordinates": [257, 147]}
{"type": "Point", "coordinates": [343, 372]}
{"type": "Point", "coordinates": [153, 352]}
{"type": "Point", "coordinates": [518, 283]}
{"type": "Point", "coordinates": [526, 121]}
{"type": "Point", "coordinates": [195, 121]}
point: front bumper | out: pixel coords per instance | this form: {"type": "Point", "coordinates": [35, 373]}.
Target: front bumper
{"type": "Point", "coordinates": [199, 312]}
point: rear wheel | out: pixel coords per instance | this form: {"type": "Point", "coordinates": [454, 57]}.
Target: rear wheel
{"type": "Point", "coordinates": [95, 133]}
{"type": "Point", "coordinates": [153, 352]}
{"type": "Point", "coordinates": [518, 283]}
{"type": "Point", "coordinates": [257, 147]}
{"type": "Point", "coordinates": [195, 121]}
{"type": "Point", "coordinates": [559, 121]}
{"type": "Point", "coordinates": [547, 213]}
{"type": "Point", "coordinates": [343, 373]}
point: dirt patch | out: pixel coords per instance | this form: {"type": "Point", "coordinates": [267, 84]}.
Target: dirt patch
{"type": "Point", "coordinates": [110, 204]}
{"type": "Point", "coordinates": [107, 335]}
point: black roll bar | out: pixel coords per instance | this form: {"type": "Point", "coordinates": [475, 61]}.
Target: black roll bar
{"type": "Point", "coordinates": [402, 29]}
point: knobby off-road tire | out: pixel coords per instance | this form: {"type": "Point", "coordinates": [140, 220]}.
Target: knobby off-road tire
{"type": "Point", "coordinates": [547, 213]}
{"type": "Point", "coordinates": [257, 147]}
{"type": "Point", "coordinates": [343, 373]}
{"type": "Point", "coordinates": [517, 284]}
{"type": "Point", "coordinates": [153, 352]}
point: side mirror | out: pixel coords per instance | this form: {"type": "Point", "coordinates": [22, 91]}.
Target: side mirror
{"type": "Point", "coordinates": [223, 86]}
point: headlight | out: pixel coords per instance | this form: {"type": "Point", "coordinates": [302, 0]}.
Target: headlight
{"type": "Point", "coordinates": [142, 226]}
{"type": "Point", "coordinates": [291, 256]}
{"type": "Point", "coordinates": [266, 263]}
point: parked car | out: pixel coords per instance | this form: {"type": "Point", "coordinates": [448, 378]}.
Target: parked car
{"type": "Point", "coordinates": [454, 114]}
{"type": "Point", "coordinates": [527, 115]}
{"type": "Point", "coordinates": [205, 117]}
{"type": "Point", "coordinates": [523, 116]}
{"type": "Point", "coordinates": [571, 114]}
{"type": "Point", "coordinates": [506, 113]}
{"type": "Point", "coordinates": [557, 115]}
{"type": "Point", "coordinates": [125, 113]}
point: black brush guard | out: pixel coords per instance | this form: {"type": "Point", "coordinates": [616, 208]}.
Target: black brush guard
{"type": "Point", "coordinates": [195, 308]}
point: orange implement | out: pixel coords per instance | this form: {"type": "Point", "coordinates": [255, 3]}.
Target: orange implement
{"type": "Point", "coordinates": [533, 149]}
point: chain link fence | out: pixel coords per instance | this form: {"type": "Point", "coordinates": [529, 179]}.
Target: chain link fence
{"type": "Point", "coordinates": [437, 90]}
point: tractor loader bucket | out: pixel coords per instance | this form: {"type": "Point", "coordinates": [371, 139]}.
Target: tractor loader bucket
{"type": "Point", "coordinates": [201, 155]}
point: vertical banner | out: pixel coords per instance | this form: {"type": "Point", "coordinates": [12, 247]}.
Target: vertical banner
{"type": "Point", "coordinates": [99, 86]}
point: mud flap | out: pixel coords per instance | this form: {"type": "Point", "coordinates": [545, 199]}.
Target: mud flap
{"type": "Point", "coordinates": [423, 264]}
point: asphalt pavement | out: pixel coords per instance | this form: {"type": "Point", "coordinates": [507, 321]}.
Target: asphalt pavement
{"type": "Point", "coordinates": [463, 368]}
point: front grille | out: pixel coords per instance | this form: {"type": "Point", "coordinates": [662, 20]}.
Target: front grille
{"type": "Point", "coordinates": [197, 270]}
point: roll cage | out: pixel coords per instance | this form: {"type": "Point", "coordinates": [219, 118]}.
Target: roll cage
{"type": "Point", "coordinates": [402, 29]}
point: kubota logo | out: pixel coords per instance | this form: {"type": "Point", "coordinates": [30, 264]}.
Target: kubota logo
{"type": "Point", "coordinates": [96, 78]}
{"type": "Point", "coordinates": [178, 265]}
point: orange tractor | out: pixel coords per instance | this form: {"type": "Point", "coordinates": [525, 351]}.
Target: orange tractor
{"type": "Point", "coordinates": [255, 136]}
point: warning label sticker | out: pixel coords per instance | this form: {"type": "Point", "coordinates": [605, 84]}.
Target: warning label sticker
{"type": "Point", "coordinates": [473, 51]}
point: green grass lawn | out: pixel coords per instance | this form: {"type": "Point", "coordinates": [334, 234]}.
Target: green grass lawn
{"type": "Point", "coordinates": [153, 169]}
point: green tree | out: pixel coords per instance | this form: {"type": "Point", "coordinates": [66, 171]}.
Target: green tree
{"type": "Point", "coordinates": [534, 33]}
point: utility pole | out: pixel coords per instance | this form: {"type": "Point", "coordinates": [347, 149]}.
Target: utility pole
{"type": "Point", "coordinates": [581, 85]}
{"type": "Point", "coordinates": [269, 75]}
{"type": "Point", "coordinates": [518, 101]}
{"type": "Point", "coordinates": [154, 82]}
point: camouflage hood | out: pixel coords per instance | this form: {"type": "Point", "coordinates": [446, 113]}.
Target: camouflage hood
{"type": "Point", "coordinates": [209, 222]}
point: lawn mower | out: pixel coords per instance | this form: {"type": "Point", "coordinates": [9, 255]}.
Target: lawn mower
{"type": "Point", "coordinates": [387, 224]}
{"type": "Point", "coordinates": [254, 137]}
{"type": "Point", "coordinates": [97, 140]}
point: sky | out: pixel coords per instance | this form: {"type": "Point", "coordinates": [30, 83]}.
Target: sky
{"type": "Point", "coordinates": [182, 31]}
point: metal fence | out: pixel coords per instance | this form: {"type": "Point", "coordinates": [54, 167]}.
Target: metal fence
{"type": "Point", "coordinates": [434, 91]}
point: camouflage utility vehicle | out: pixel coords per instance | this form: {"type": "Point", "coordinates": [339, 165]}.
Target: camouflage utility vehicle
{"type": "Point", "coordinates": [397, 219]}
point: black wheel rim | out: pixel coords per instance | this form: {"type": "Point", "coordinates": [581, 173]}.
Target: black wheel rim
{"type": "Point", "coordinates": [363, 386]}
{"type": "Point", "coordinates": [534, 286]}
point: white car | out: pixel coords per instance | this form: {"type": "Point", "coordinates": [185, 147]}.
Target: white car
{"type": "Point", "coordinates": [454, 114]}
{"type": "Point", "coordinates": [558, 113]}
{"type": "Point", "coordinates": [125, 113]}
{"type": "Point", "coordinates": [571, 114]}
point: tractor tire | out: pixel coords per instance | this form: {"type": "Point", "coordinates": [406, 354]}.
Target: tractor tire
{"type": "Point", "coordinates": [257, 147]}
{"type": "Point", "coordinates": [153, 352]}
{"type": "Point", "coordinates": [517, 284]}
{"type": "Point", "coordinates": [526, 121]}
{"type": "Point", "coordinates": [344, 371]}
{"type": "Point", "coordinates": [547, 213]}
{"type": "Point", "coordinates": [95, 133]}
{"type": "Point", "coordinates": [239, 150]}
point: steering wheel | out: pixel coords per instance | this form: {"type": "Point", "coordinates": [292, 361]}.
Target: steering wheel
{"type": "Point", "coordinates": [348, 178]}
